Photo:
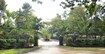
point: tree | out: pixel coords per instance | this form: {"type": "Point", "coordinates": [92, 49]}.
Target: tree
{"type": "Point", "coordinates": [6, 26]}
{"type": "Point", "coordinates": [26, 21]}
{"type": "Point", "coordinates": [89, 5]}
{"type": "Point", "coordinates": [77, 21]}
{"type": "Point", "coordinates": [45, 33]}
{"type": "Point", "coordinates": [38, 1]}
{"type": "Point", "coordinates": [26, 8]}
{"type": "Point", "coordinates": [37, 28]}
{"type": "Point", "coordinates": [2, 10]}
{"type": "Point", "coordinates": [2, 5]}
{"type": "Point", "coordinates": [93, 11]}
{"type": "Point", "coordinates": [59, 27]}
{"type": "Point", "coordinates": [21, 26]}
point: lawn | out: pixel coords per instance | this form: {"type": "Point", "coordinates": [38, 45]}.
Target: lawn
{"type": "Point", "coordinates": [85, 48]}
{"type": "Point", "coordinates": [16, 51]}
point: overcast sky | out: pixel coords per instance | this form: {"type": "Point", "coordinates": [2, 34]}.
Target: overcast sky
{"type": "Point", "coordinates": [46, 11]}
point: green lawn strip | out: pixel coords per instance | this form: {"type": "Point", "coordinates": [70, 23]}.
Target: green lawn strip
{"type": "Point", "coordinates": [85, 48]}
{"type": "Point", "coordinates": [17, 51]}
{"type": "Point", "coordinates": [35, 48]}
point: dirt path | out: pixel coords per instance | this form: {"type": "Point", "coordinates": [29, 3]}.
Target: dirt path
{"type": "Point", "coordinates": [52, 47]}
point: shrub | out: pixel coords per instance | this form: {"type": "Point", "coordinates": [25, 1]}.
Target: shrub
{"type": "Point", "coordinates": [88, 42]}
{"type": "Point", "coordinates": [31, 40]}
{"type": "Point", "coordinates": [79, 42]}
{"type": "Point", "coordinates": [85, 42]}
{"type": "Point", "coordinates": [98, 42]}
{"type": "Point", "coordinates": [4, 44]}
{"type": "Point", "coordinates": [21, 43]}
{"type": "Point", "coordinates": [7, 43]}
{"type": "Point", "coordinates": [11, 42]}
{"type": "Point", "coordinates": [68, 41]}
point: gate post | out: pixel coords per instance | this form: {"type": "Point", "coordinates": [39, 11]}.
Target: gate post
{"type": "Point", "coordinates": [61, 41]}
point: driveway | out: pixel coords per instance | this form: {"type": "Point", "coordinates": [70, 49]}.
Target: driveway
{"type": "Point", "coordinates": [52, 47]}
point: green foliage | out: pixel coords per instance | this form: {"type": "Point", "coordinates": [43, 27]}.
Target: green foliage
{"type": "Point", "coordinates": [88, 4]}
{"type": "Point", "coordinates": [26, 6]}
{"type": "Point", "coordinates": [80, 42]}
{"type": "Point", "coordinates": [3, 43]}
{"type": "Point", "coordinates": [59, 26]}
{"type": "Point", "coordinates": [84, 42]}
{"type": "Point", "coordinates": [7, 43]}
{"type": "Point", "coordinates": [19, 28]}
{"type": "Point", "coordinates": [21, 43]}
{"type": "Point", "coordinates": [2, 5]}
{"type": "Point", "coordinates": [31, 40]}
{"type": "Point", "coordinates": [45, 33]}
{"type": "Point", "coordinates": [15, 51]}
{"type": "Point", "coordinates": [12, 43]}
{"type": "Point", "coordinates": [68, 41]}
{"type": "Point", "coordinates": [77, 21]}
{"type": "Point", "coordinates": [93, 11]}
{"type": "Point", "coordinates": [84, 48]}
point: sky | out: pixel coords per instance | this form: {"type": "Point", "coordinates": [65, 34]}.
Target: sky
{"type": "Point", "coordinates": [46, 11]}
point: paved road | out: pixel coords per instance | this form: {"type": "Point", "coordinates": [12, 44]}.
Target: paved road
{"type": "Point", "coordinates": [51, 47]}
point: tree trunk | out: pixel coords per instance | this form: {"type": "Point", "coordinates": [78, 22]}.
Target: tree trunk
{"type": "Point", "coordinates": [0, 19]}
{"type": "Point", "coordinates": [35, 41]}
{"type": "Point", "coordinates": [17, 41]}
{"type": "Point", "coordinates": [61, 41]}
{"type": "Point", "coordinates": [36, 38]}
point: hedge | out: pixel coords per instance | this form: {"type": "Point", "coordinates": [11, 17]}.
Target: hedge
{"type": "Point", "coordinates": [13, 43]}
{"type": "Point", "coordinates": [81, 42]}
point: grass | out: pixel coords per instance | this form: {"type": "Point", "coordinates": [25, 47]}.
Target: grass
{"type": "Point", "coordinates": [85, 48]}
{"type": "Point", "coordinates": [17, 51]}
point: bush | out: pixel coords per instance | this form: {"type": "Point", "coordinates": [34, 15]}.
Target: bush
{"type": "Point", "coordinates": [11, 42]}
{"type": "Point", "coordinates": [80, 42]}
{"type": "Point", "coordinates": [21, 43]}
{"type": "Point", "coordinates": [98, 42]}
{"type": "Point", "coordinates": [7, 43]}
{"type": "Point", "coordinates": [68, 41]}
{"type": "Point", "coordinates": [3, 44]}
{"type": "Point", "coordinates": [88, 42]}
{"type": "Point", "coordinates": [31, 40]}
{"type": "Point", "coordinates": [84, 42]}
